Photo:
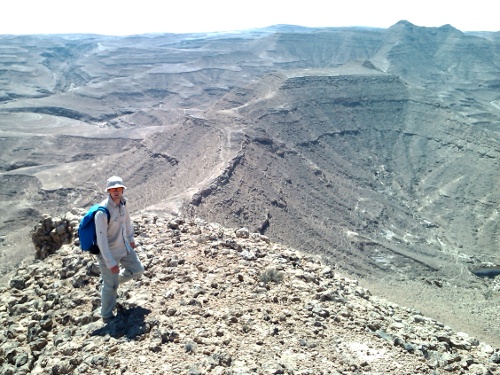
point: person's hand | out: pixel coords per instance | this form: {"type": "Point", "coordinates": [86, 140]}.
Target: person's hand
{"type": "Point", "coordinates": [132, 245]}
{"type": "Point", "coordinates": [115, 269]}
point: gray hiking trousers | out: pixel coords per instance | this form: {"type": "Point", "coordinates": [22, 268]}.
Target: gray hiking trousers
{"type": "Point", "coordinates": [131, 268]}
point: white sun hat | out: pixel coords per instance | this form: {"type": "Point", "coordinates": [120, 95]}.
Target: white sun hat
{"type": "Point", "coordinates": [115, 182]}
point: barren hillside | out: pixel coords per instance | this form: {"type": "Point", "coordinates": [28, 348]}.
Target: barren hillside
{"type": "Point", "coordinates": [375, 149]}
{"type": "Point", "coordinates": [217, 300]}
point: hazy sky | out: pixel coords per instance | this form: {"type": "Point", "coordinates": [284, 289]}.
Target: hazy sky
{"type": "Point", "coordinates": [113, 17]}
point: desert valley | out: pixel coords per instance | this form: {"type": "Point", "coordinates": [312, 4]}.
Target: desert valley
{"type": "Point", "coordinates": [373, 150]}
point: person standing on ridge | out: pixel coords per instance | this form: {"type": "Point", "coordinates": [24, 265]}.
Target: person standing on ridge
{"type": "Point", "coordinates": [116, 244]}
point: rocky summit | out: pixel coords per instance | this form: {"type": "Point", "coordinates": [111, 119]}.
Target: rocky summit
{"type": "Point", "coordinates": [215, 300]}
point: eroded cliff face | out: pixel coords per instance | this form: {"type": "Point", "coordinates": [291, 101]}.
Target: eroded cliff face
{"type": "Point", "coordinates": [329, 156]}
{"type": "Point", "coordinates": [369, 173]}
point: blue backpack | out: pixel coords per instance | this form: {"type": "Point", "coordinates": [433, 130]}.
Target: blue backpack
{"type": "Point", "coordinates": [86, 229]}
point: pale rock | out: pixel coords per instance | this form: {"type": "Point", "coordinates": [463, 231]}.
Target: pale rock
{"type": "Point", "coordinates": [242, 233]}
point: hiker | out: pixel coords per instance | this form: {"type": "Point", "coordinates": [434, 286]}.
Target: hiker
{"type": "Point", "coordinates": [116, 245]}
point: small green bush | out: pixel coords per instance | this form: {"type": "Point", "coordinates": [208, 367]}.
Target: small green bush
{"type": "Point", "coordinates": [190, 347]}
{"type": "Point", "coordinates": [269, 275]}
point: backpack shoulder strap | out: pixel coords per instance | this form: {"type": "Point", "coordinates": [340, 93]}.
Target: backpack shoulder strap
{"type": "Point", "coordinates": [105, 210]}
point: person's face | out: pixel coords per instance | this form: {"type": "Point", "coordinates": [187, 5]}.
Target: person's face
{"type": "Point", "coordinates": [116, 193]}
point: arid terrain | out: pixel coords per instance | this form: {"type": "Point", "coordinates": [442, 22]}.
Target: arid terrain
{"type": "Point", "coordinates": [376, 149]}
{"type": "Point", "coordinates": [217, 300]}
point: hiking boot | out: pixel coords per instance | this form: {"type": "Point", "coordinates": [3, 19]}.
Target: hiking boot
{"type": "Point", "coordinates": [109, 319]}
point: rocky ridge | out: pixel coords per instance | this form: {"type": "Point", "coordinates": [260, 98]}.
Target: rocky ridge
{"type": "Point", "coordinates": [216, 300]}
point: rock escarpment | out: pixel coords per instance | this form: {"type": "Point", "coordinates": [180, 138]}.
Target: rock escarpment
{"type": "Point", "coordinates": [215, 300]}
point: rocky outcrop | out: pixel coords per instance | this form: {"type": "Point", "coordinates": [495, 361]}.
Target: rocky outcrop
{"type": "Point", "coordinates": [51, 233]}
{"type": "Point", "coordinates": [215, 300]}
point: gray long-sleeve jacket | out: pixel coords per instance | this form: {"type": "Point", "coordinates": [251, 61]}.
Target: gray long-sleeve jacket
{"type": "Point", "coordinates": [114, 238]}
